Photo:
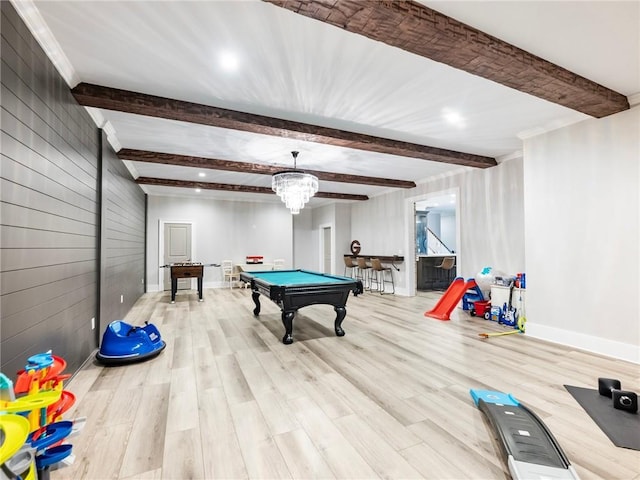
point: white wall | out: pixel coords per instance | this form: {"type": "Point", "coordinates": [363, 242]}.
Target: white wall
{"type": "Point", "coordinates": [221, 230]}
{"type": "Point", "coordinates": [582, 213]}
{"type": "Point", "coordinates": [342, 236]}
{"type": "Point", "coordinates": [303, 241]}
{"type": "Point", "coordinates": [307, 243]}
{"type": "Point", "coordinates": [379, 224]}
{"type": "Point", "coordinates": [490, 207]}
{"type": "Point", "coordinates": [492, 219]}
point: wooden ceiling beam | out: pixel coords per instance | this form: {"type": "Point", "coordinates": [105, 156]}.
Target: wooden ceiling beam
{"type": "Point", "coordinates": [257, 168]}
{"type": "Point", "coordinates": [164, 182]}
{"type": "Point", "coordinates": [97, 96]}
{"type": "Point", "coordinates": [415, 28]}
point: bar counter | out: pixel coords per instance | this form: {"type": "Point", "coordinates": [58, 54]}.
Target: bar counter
{"type": "Point", "coordinates": [391, 259]}
{"type": "Point", "coordinates": [431, 278]}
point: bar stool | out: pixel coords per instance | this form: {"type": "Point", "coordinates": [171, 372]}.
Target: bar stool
{"type": "Point", "coordinates": [349, 264]}
{"type": "Point", "coordinates": [378, 275]}
{"type": "Point", "coordinates": [363, 273]}
{"type": "Point", "coordinates": [446, 265]}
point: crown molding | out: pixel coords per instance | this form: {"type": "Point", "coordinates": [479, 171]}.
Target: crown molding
{"type": "Point", "coordinates": [549, 127]}
{"type": "Point", "coordinates": [510, 156]}
{"type": "Point", "coordinates": [43, 35]}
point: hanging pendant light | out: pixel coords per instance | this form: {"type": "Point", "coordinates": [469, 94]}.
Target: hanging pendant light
{"type": "Point", "coordinates": [294, 187]}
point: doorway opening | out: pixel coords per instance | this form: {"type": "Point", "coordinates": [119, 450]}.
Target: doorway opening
{"type": "Point", "coordinates": [326, 249]}
{"type": "Point", "coordinates": [433, 226]}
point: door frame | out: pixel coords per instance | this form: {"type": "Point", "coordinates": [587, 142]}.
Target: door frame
{"type": "Point", "coordinates": [410, 228]}
{"type": "Point", "coordinates": [161, 224]}
{"type": "Point", "coordinates": [321, 244]}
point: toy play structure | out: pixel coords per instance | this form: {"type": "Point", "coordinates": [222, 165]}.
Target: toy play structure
{"type": "Point", "coordinates": [15, 460]}
{"type": "Point", "coordinates": [531, 450]}
{"type": "Point", "coordinates": [508, 314]}
{"type": "Point", "coordinates": [32, 432]}
{"type": "Point", "coordinates": [123, 343]}
{"type": "Point", "coordinates": [456, 291]}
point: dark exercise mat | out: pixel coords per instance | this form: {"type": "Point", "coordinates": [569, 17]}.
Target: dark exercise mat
{"type": "Point", "coordinates": [622, 428]}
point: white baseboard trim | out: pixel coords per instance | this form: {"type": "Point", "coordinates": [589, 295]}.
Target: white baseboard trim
{"type": "Point", "coordinates": [399, 292]}
{"type": "Point", "coordinates": [602, 346]}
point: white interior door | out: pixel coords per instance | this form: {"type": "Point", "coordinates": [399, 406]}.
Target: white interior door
{"type": "Point", "coordinates": [177, 248]}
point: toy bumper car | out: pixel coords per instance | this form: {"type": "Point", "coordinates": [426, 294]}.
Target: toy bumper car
{"type": "Point", "coordinates": [123, 343]}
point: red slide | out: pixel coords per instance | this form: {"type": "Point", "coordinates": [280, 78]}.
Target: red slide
{"type": "Point", "coordinates": [450, 299]}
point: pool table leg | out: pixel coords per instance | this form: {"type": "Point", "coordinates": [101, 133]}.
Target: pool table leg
{"type": "Point", "coordinates": [341, 312]}
{"type": "Point", "coordinates": [256, 300]}
{"type": "Point", "coordinates": [287, 321]}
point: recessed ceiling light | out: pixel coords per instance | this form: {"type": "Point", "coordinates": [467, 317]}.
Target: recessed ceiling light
{"type": "Point", "coordinates": [202, 174]}
{"type": "Point", "coordinates": [452, 117]}
{"type": "Point", "coordinates": [229, 61]}
{"type": "Point", "coordinates": [197, 190]}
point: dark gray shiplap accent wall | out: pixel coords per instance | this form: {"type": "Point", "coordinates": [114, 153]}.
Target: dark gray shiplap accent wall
{"type": "Point", "coordinates": [122, 238]}
{"type": "Point", "coordinates": [67, 207]}
{"type": "Point", "coordinates": [49, 208]}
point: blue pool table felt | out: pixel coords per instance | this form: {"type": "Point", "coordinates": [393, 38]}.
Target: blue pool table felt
{"type": "Point", "coordinates": [297, 277]}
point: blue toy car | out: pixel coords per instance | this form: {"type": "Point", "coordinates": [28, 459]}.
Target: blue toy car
{"type": "Point", "coordinates": [123, 343]}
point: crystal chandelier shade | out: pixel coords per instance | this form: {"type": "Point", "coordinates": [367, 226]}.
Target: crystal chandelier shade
{"type": "Point", "coordinates": [294, 187]}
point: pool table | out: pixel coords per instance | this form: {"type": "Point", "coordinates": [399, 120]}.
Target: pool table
{"type": "Point", "coordinates": [294, 289]}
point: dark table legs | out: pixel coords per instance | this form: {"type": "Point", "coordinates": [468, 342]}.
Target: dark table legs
{"type": "Point", "coordinates": [174, 289]}
{"type": "Point", "coordinates": [287, 321]}
{"type": "Point", "coordinates": [341, 312]}
{"type": "Point", "coordinates": [256, 299]}
{"type": "Point", "coordinates": [288, 315]}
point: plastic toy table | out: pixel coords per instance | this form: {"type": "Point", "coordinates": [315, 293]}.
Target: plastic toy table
{"type": "Point", "coordinates": [294, 289]}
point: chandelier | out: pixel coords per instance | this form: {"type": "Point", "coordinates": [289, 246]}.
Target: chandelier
{"type": "Point", "coordinates": [294, 187]}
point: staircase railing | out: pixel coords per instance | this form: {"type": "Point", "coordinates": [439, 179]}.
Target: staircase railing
{"type": "Point", "coordinates": [435, 246]}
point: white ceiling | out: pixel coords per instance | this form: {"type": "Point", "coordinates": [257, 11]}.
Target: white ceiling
{"type": "Point", "coordinates": [296, 68]}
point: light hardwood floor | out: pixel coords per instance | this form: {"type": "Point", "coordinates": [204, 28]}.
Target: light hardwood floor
{"type": "Point", "coordinates": [227, 400]}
